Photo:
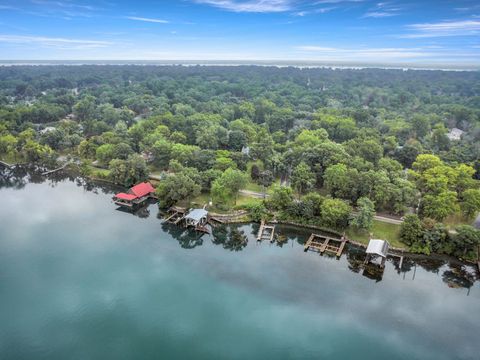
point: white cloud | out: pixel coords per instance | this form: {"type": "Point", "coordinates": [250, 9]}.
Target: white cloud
{"type": "Point", "coordinates": [136, 18]}
{"type": "Point", "coordinates": [54, 42]}
{"type": "Point", "coordinates": [382, 10]}
{"type": "Point", "coordinates": [314, 11]}
{"type": "Point", "coordinates": [444, 28]}
{"type": "Point", "coordinates": [256, 6]}
{"type": "Point", "coordinates": [336, 1]}
{"type": "Point", "coordinates": [379, 14]}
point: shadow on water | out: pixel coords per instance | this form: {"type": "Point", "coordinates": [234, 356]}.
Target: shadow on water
{"type": "Point", "coordinates": [453, 272]}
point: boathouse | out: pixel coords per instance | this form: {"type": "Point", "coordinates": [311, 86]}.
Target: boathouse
{"type": "Point", "coordinates": [377, 249]}
{"type": "Point", "coordinates": [197, 218]}
{"type": "Point", "coordinates": [137, 195]}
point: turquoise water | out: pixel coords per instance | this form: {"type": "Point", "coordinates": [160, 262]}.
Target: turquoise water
{"type": "Point", "coordinates": [81, 280]}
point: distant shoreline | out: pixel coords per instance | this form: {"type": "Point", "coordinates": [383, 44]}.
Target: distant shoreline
{"type": "Point", "coordinates": [262, 63]}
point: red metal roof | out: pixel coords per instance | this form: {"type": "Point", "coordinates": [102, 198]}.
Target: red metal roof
{"type": "Point", "coordinates": [142, 189]}
{"type": "Point", "coordinates": [124, 196]}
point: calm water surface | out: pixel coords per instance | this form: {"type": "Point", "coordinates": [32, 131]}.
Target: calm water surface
{"type": "Point", "coordinates": [81, 280]}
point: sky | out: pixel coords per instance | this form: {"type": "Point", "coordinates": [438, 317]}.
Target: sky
{"type": "Point", "coordinates": [337, 31]}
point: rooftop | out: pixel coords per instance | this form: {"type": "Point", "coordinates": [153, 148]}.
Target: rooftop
{"type": "Point", "coordinates": [196, 214]}
{"type": "Point", "coordinates": [378, 247]}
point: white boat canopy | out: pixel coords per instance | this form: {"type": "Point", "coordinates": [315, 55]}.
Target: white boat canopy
{"type": "Point", "coordinates": [378, 247]}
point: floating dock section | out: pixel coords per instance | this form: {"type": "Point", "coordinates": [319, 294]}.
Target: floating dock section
{"type": "Point", "coordinates": [324, 244]}
{"type": "Point", "coordinates": [266, 232]}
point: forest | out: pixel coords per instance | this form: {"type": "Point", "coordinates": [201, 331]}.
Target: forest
{"type": "Point", "coordinates": [330, 147]}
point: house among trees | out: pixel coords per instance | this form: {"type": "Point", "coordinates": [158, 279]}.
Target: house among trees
{"type": "Point", "coordinates": [377, 249]}
{"type": "Point", "coordinates": [137, 195]}
{"type": "Point", "coordinates": [455, 134]}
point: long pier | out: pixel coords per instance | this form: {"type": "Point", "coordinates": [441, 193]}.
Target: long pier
{"type": "Point", "coordinates": [324, 244]}
{"type": "Point", "coordinates": [55, 170]}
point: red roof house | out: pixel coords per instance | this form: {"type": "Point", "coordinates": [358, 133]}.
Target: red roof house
{"type": "Point", "coordinates": [135, 196]}
{"type": "Point", "coordinates": [142, 189]}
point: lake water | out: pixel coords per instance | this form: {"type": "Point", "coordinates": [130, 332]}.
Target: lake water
{"type": "Point", "coordinates": [82, 280]}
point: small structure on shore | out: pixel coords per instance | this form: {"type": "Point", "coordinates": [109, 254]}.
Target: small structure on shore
{"type": "Point", "coordinates": [137, 195]}
{"type": "Point", "coordinates": [266, 232]}
{"type": "Point", "coordinates": [198, 219]}
{"type": "Point", "coordinates": [322, 243]}
{"type": "Point", "coordinates": [377, 249]}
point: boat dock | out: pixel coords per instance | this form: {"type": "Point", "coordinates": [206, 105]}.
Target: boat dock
{"type": "Point", "coordinates": [323, 244]}
{"type": "Point", "coordinates": [175, 215]}
{"type": "Point", "coordinates": [266, 232]}
{"type": "Point", "coordinates": [55, 170]}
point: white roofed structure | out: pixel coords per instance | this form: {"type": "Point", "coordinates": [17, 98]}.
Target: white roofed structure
{"type": "Point", "coordinates": [378, 247]}
{"type": "Point", "coordinates": [196, 217]}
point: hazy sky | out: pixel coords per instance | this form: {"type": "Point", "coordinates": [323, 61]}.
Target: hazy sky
{"type": "Point", "coordinates": [325, 30]}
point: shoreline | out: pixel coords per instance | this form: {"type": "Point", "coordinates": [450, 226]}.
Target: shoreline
{"type": "Point", "coordinates": [395, 250]}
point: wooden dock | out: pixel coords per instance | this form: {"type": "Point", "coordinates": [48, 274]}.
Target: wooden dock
{"type": "Point", "coordinates": [324, 244]}
{"type": "Point", "coordinates": [266, 232]}
{"type": "Point", "coordinates": [175, 215]}
{"type": "Point", "coordinates": [55, 170]}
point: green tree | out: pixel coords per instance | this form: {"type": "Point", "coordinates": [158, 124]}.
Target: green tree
{"type": "Point", "coordinates": [411, 230]}
{"type": "Point", "coordinates": [303, 178]}
{"type": "Point", "coordinates": [7, 143]}
{"type": "Point", "coordinates": [467, 240]}
{"type": "Point", "coordinates": [281, 198]}
{"type": "Point", "coordinates": [335, 213]}
{"type": "Point", "coordinates": [440, 206]}
{"type": "Point", "coordinates": [366, 213]}
{"type": "Point", "coordinates": [470, 204]}
{"type": "Point", "coordinates": [175, 188]}
{"type": "Point", "coordinates": [228, 184]}
{"type": "Point", "coordinates": [105, 153]}
{"type": "Point", "coordinates": [128, 172]}
{"type": "Point", "coordinates": [85, 108]}
{"type": "Point", "coordinates": [35, 152]}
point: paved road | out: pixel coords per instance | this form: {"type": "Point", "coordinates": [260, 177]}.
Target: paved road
{"type": "Point", "coordinates": [254, 194]}
{"type": "Point", "coordinates": [388, 220]}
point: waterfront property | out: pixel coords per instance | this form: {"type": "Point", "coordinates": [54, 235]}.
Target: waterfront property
{"type": "Point", "coordinates": [322, 243]}
{"type": "Point", "coordinates": [137, 195]}
{"type": "Point", "coordinates": [377, 249]}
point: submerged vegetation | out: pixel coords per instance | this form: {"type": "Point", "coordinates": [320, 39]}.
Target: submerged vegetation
{"type": "Point", "coordinates": [312, 146]}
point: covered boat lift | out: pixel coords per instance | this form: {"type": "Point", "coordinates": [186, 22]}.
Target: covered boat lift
{"type": "Point", "coordinates": [377, 249]}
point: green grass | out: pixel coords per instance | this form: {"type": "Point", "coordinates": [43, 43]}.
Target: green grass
{"type": "Point", "coordinates": [380, 230]}
{"type": "Point", "coordinates": [253, 186]}
{"type": "Point", "coordinates": [457, 219]}
{"type": "Point", "coordinates": [202, 199]}
{"type": "Point", "coordinates": [98, 172]}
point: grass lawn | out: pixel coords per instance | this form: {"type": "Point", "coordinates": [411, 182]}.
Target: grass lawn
{"type": "Point", "coordinates": [457, 219]}
{"type": "Point", "coordinates": [98, 173]}
{"type": "Point", "coordinates": [253, 186]}
{"type": "Point", "coordinates": [203, 199]}
{"type": "Point", "coordinates": [380, 230]}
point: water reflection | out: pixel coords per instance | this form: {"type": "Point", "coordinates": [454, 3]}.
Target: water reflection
{"type": "Point", "coordinates": [230, 237]}
{"type": "Point", "coordinates": [235, 238]}
{"type": "Point", "coordinates": [187, 238]}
